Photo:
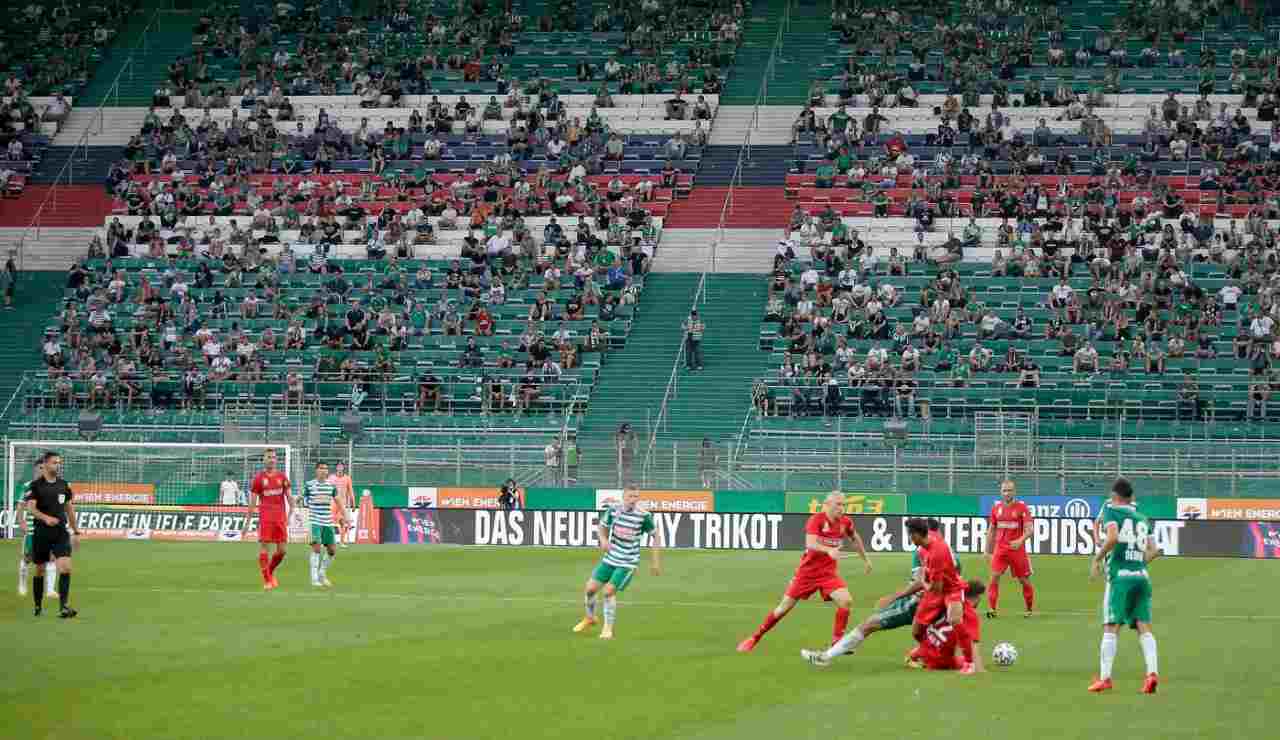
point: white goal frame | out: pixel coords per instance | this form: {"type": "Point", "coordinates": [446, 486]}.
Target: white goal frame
{"type": "Point", "coordinates": [13, 447]}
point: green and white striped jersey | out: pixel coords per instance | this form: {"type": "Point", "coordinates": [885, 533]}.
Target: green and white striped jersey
{"type": "Point", "coordinates": [318, 496]}
{"type": "Point", "coordinates": [27, 516]}
{"type": "Point", "coordinates": [625, 530]}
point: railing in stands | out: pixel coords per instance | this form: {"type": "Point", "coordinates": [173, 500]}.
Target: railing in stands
{"type": "Point", "coordinates": [66, 175]}
{"type": "Point", "coordinates": [1194, 463]}
{"type": "Point", "coordinates": [673, 384]}
{"type": "Point", "coordinates": [744, 156]}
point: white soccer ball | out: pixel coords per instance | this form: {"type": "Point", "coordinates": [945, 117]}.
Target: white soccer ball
{"type": "Point", "coordinates": [1004, 654]}
{"type": "Point", "coordinates": [365, 492]}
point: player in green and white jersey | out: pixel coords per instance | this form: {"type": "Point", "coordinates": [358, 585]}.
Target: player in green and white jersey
{"type": "Point", "coordinates": [892, 612]}
{"type": "Point", "coordinates": [319, 496]}
{"type": "Point", "coordinates": [1127, 546]}
{"type": "Point", "coordinates": [24, 557]}
{"type": "Point", "coordinates": [620, 531]}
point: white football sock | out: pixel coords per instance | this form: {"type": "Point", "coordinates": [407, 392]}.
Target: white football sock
{"type": "Point", "coordinates": [589, 602]}
{"type": "Point", "coordinates": [610, 609]}
{"type": "Point", "coordinates": [325, 559]}
{"type": "Point", "coordinates": [50, 579]}
{"type": "Point", "coordinates": [1107, 653]}
{"type": "Point", "coordinates": [1148, 643]}
{"type": "Point", "coordinates": [315, 566]}
{"type": "Point", "coordinates": [22, 575]}
{"type": "Point", "coordinates": [846, 644]}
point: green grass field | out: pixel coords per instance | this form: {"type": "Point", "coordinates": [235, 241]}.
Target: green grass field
{"type": "Point", "coordinates": [178, 641]}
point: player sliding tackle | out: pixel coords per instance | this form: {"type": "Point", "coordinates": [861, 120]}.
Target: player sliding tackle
{"type": "Point", "coordinates": [825, 534]}
{"type": "Point", "coordinates": [937, 651]}
{"type": "Point", "coordinates": [620, 532]}
{"type": "Point", "coordinates": [892, 612]}
{"type": "Point", "coordinates": [1127, 548]}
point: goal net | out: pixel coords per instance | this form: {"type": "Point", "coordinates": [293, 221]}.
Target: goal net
{"type": "Point", "coordinates": [169, 491]}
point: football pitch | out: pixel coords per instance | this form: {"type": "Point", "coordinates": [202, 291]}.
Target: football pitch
{"type": "Point", "coordinates": [177, 640]}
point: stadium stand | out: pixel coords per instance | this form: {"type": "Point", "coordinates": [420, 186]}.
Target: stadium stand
{"type": "Point", "coordinates": [1061, 209]}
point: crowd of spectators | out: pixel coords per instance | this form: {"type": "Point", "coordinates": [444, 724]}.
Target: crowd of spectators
{"type": "Point", "coordinates": [1123, 302]}
{"type": "Point", "coordinates": [52, 48]}
{"type": "Point", "coordinates": [398, 51]}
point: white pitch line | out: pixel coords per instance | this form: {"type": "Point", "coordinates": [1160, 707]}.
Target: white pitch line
{"type": "Point", "coordinates": [435, 599]}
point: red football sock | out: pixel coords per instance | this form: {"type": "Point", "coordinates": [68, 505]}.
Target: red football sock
{"type": "Point", "coordinates": [842, 621]}
{"type": "Point", "coordinates": [766, 625]}
{"type": "Point", "coordinates": [1029, 595]}
{"type": "Point", "coordinates": [275, 561]}
{"type": "Point", "coordinates": [966, 643]}
{"type": "Point", "coordinates": [262, 566]}
{"type": "Point", "coordinates": [993, 594]}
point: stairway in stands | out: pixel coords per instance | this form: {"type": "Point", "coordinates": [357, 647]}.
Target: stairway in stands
{"type": "Point", "coordinates": [758, 35]}
{"type": "Point", "coordinates": [793, 69]}
{"type": "Point", "coordinates": [752, 208]}
{"type": "Point", "coordinates": [79, 205]}
{"type": "Point", "coordinates": [36, 299]}
{"type": "Point", "coordinates": [89, 165]}
{"type": "Point", "coordinates": [713, 402]}
{"type": "Point", "coordinates": [634, 379]}
{"type": "Point", "coordinates": [166, 40]}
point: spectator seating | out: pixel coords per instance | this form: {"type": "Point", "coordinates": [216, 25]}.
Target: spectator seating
{"type": "Point", "coordinates": [949, 386]}
{"type": "Point", "coordinates": [377, 381]}
{"type": "Point", "coordinates": [1206, 48]}
{"type": "Point", "coordinates": [51, 47]}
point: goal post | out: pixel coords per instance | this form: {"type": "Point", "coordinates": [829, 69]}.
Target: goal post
{"type": "Point", "coordinates": [165, 477]}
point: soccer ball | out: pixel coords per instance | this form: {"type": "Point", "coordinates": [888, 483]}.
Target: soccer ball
{"type": "Point", "coordinates": [1004, 654]}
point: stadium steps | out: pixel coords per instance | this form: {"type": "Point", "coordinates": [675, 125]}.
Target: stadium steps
{"type": "Point", "coordinates": [749, 65]}
{"type": "Point", "coordinates": [713, 402]}
{"type": "Point", "coordinates": [793, 69]}
{"type": "Point", "coordinates": [165, 41]}
{"type": "Point", "coordinates": [752, 208]}
{"type": "Point", "coordinates": [75, 205]}
{"type": "Point", "coordinates": [89, 165]}
{"type": "Point", "coordinates": [730, 125]}
{"type": "Point", "coordinates": [634, 379]}
{"type": "Point", "coordinates": [115, 128]}
{"type": "Point", "coordinates": [51, 248]}
{"type": "Point", "coordinates": [36, 299]}
{"type": "Point", "coordinates": [739, 250]}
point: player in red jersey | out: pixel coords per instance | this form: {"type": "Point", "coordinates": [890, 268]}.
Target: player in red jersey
{"type": "Point", "coordinates": [270, 495]}
{"type": "Point", "coordinates": [825, 533]}
{"type": "Point", "coordinates": [944, 591]}
{"type": "Point", "coordinates": [1011, 524]}
{"type": "Point", "coordinates": [937, 651]}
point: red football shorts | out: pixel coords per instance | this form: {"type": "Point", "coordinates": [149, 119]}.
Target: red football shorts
{"type": "Point", "coordinates": [933, 605]}
{"type": "Point", "coordinates": [937, 660]}
{"type": "Point", "coordinates": [273, 532]}
{"type": "Point", "coordinates": [804, 585]}
{"type": "Point", "coordinates": [1018, 561]}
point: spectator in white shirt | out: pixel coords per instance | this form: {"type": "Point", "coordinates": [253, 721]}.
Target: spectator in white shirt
{"type": "Point", "coordinates": [1061, 294]}
{"type": "Point", "coordinates": [229, 491]}
{"type": "Point", "coordinates": [498, 245]}
{"type": "Point", "coordinates": [1230, 295]}
{"type": "Point", "coordinates": [1261, 326]}
{"type": "Point", "coordinates": [1086, 359]}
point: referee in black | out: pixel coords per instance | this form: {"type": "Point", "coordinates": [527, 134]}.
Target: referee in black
{"type": "Point", "coordinates": [49, 501]}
